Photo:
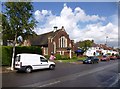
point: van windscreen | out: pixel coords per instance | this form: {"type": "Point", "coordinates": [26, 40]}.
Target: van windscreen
{"type": "Point", "coordinates": [17, 58]}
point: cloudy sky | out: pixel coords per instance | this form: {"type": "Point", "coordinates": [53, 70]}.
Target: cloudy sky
{"type": "Point", "coordinates": [81, 20]}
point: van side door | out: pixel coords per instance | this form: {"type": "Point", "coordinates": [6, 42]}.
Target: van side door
{"type": "Point", "coordinates": [43, 63]}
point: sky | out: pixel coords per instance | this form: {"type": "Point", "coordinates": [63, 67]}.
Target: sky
{"type": "Point", "coordinates": [96, 21]}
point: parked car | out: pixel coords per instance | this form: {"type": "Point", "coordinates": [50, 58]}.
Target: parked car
{"type": "Point", "coordinates": [118, 56]}
{"type": "Point", "coordinates": [105, 58]}
{"type": "Point", "coordinates": [113, 57]}
{"type": "Point", "coordinates": [91, 60]}
{"type": "Point", "coordinates": [28, 62]}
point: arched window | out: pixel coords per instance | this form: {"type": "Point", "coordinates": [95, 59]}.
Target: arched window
{"type": "Point", "coordinates": [62, 42]}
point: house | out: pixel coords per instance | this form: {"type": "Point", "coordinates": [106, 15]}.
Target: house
{"type": "Point", "coordinates": [56, 42]}
{"type": "Point", "coordinates": [100, 49]}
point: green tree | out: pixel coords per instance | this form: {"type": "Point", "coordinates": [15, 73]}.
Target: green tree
{"type": "Point", "coordinates": [84, 45]}
{"type": "Point", "coordinates": [20, 18]}
{"type": "Point", "coordinates": [5, 29]}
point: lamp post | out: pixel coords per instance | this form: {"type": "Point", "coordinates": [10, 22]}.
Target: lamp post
{"type": "Point", "coordinates": [106, 40]}
{"type": "Point", "coordinates": [19, 39]}
{"type": "Point", "coordinates": [106, 37]}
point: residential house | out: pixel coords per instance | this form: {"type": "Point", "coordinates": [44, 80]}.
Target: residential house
{"type": "Point", "coordinates": [56, 42]}
{"type": "Point", "coordinates": [100, 49]}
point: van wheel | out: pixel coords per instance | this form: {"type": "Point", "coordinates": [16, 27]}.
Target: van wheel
{"type": "Point", "coordinates": [52, 67]}
{"type": "Point", "coordinates": [28, 70]}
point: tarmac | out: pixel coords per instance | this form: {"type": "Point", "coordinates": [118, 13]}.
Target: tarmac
{"type": "Point", "coordinates": [7, 69]}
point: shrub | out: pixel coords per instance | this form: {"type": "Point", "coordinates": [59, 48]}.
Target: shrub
{"type": "Point", "coordinates": [64, 58]}
{"type": "Point", "coordinates": [7, 52]}
{"type": "Point", "coordinates": [58, 57]}
{"type": "Point", "coordinates": [108, 53]}
{"type": "Point", "coordinates": [6, 55]}
{"type": "Point", "coordinates": [74, 57]}
{"type": "Point", "coordinates": [28, 49]}
{"type": "Point", "coordinates": [47, 56]}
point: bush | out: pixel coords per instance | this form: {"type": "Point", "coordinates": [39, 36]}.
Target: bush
{"type": "Point", "coordinates": [61, 57]}
{"type": "Point", "coordinates": [74, 57]}
{"type": "Point", "coordinates": [58, 57]}
{"type": "Point", "coordinates": [6, 55]}
{"type": "Point", "coordinates": [0, 55]}
{"type": "Point", "coordinates": [7, 52]}
{"type": "Point", "coordinates": [28, 49]}
{"type": "Point", "coordinates": [108, 53]}
{"type": "Point", "coordinates": [47, 56]}
{"type": "Point", "coordinates": [64, 58]}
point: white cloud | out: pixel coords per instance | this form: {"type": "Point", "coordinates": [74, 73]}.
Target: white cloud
{"type": "Point", "coordinates": [71, 20]}
{"type": "Point", "coordinates": [41, 15]}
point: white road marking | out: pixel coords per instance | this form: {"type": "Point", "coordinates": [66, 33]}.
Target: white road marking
{"type": "Point", "coordinates": [116, 81]}
{"type": "Point", "coordinates": [49, 84]}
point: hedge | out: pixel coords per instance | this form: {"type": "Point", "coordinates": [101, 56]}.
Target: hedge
{"type": "Point", "coordinates": [7, 52]}
{"type": "Point", "coordinates": [6, 55]}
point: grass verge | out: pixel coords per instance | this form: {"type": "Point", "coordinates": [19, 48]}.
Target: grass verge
{"type": "Point", "coordinates": [71, 60]}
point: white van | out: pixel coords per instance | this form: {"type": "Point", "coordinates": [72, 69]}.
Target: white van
{"type": "Point", "coordinates": [28, 62]}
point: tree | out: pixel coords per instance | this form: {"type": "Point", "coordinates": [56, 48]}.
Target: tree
{"type": "Point", "coordinates": [5, 27]}
{"type": "Point", "coordinates": [21, 21]}
{"type": "Point", "coordinates": [84, 45]}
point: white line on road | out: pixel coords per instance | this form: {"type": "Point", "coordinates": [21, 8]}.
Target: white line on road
{"type": "Point", "coordinates": [116, 81]}
{"type": "Point", "coordinates": [49, 84]}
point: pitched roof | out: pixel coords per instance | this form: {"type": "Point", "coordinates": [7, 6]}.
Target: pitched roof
{"type": "Point", "coordinates": [105, 47]}
{"type": "Point", "coordinates": [42, 40]}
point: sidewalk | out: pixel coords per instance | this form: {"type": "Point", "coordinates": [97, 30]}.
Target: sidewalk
{"type": "Point", "coordinates": [5, 69]}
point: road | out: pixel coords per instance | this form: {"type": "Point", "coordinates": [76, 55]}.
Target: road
{"type": "Point", "coordinates": [103, 74]}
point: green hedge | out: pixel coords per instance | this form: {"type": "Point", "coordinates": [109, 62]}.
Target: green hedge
{"type": "Point", "coordinates": [61, 57]}
{"type": "Point", "coordinates": [0, 55]}
{"type": "Point", "coordinates": [6, 55]}
{"type": "Point", "coordinates": [7, 52]}
{"type": "Point", "coordinates": [28, 49]}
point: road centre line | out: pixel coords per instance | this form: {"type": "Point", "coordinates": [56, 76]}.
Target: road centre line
{"type": "Point", "coordinates": [68, 77]}
{"type": "Point", "coordinates": [49, 84]}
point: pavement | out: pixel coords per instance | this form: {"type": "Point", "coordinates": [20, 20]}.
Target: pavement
{"type": "Point", "coordinates": [5, 69]}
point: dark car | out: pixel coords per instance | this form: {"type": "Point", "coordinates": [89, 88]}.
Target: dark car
{"type": "Point", "coordinates": [91, 60]}
{"type": "Point", "coordinates": [105, 58]}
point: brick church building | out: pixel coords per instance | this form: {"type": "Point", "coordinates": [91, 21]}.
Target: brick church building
{"type": "Point", "coordinates": [56, 42]}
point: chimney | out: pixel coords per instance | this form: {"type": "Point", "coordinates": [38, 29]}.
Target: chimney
{"type": "Point", "coordinates": [55, 28]}
{"type": "Point", "coordinates": [63, 28]}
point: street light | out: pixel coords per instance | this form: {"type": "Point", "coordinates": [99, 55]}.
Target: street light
{"type": "Point", "coordinates": [106, 37]}
{"type": "Point", "coordinates": [106, 40]}
{"type": "Point", "coordinates": [19, 39]}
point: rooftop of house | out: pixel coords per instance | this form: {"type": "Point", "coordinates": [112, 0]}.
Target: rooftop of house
{"type": "Point", "coordinates": [42, 40]}
{"type": "Point", "coordinates": [104, 46]}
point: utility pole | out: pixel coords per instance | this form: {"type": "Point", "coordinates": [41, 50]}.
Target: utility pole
{"type": "Point", "coordinates": [106, 40]}
{"type": "Point", "coordinates": [13, 55]}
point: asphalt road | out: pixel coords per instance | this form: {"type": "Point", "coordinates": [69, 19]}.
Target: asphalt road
{"type": "Point", "coordinates": [103, 74]}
